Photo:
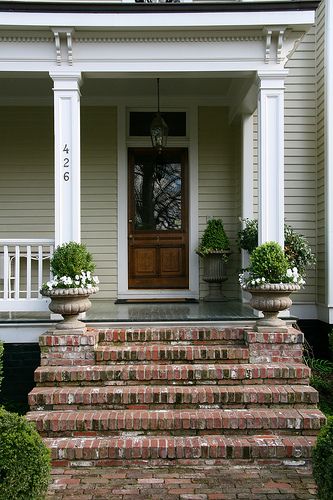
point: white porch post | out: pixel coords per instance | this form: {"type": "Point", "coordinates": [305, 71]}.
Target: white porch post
{"type": "Point", "coordinates": [247, 173]}
{"type": "Point", "coordinates": [271, 156]}
{"type": "Point", "coordinates": [67, 156]}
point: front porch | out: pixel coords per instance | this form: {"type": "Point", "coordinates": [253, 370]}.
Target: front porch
{"type": "Point", "coordinates": [27, 326]}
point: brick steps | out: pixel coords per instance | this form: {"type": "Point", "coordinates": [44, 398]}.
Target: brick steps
{"type": "Point", "coordinates": [97, 451]}
{"type": "Point", "coordinates": [184, 334]}
{"type": "Point", "coordinates": [295, 373]}
{"type": "Point", "coordinates": [184, 396]}
{"type": "Point", "coordinates": [166, 352]}
{"type": "Point", "coordinates": [176, 422]}
{"type": "Point", "coordinates": [164, 397]}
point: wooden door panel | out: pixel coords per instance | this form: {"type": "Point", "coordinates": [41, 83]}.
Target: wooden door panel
{"type": "Point", "coordinates": [158, 219]}
{"type": "Point", "coordinates": [171, 261]}
{"type": "Point", "coordinates": [145, 261]}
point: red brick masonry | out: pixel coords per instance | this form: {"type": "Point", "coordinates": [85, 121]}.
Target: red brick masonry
{"type": "Point", "coordinates": [175, 396]}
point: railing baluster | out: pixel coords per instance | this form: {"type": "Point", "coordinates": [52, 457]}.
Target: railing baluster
{"type": "Point", "coordinates": [19, 292]}
{"type": "Point", "coordinates": [6, 263]}
{"type": "Point", "coordinates": [28, 291]}
{"type": "Point", "coordinates": [17, 272]}
{"type": "Point", "coordinates": [40, 267]}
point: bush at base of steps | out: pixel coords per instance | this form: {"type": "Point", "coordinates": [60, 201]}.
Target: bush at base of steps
{"type": "Point", "coordinates": [24, 459]}
{"type": "Point", "coordinates": [323, 461]}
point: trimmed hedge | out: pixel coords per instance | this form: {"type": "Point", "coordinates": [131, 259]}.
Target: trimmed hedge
{"type": "Point", "coordinates": [323, 461]}
{"type": "Point", "coordinates": [24, 459]}
{"type": "Point", "coordinates": [1, 364]}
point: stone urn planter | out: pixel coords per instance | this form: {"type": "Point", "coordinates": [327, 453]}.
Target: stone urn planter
{"type": "Point", "coordinates": [214, 274]}
{"type": "Point", "coordinates": [70, 303]}
{"type": "Point", "coordinates": [271, 298]}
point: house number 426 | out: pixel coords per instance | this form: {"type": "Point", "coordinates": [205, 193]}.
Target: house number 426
{"type": "Point", "coordinates": [66, 164]}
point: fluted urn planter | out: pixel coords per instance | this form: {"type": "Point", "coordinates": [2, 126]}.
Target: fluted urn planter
{"type": "Point", "coordinates": [215, 275]}
{"type": "Point", "coordinates": [271, 299]}
{"type": "Point", "coordinates": [70, 303]}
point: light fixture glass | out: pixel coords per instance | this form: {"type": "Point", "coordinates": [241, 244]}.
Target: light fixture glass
{"type": "Point", "coordinates": [158, 127]}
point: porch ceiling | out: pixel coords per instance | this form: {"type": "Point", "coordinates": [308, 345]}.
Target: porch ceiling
{"type": "Point", "coordinates": [28, 89]}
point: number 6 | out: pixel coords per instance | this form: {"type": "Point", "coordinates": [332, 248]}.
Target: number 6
{"type": "Point", "coordinates": [66, 176]}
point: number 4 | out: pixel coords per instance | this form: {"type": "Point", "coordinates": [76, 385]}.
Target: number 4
{"type": "Point", "coordinates": [66, 149]}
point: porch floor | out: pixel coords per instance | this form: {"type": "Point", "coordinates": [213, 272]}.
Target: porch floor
{"type": "Point", "coordinates": [107, 312]}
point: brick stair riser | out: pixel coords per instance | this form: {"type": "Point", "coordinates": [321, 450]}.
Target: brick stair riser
{"type": "Point", "coordinates": [142, 397]}
{"type": "Point", "coordinates": [180, 374]}
{"type": "Point", "coordinates": [98, 450]}
{"type": "Point", "coordinates": [225, 335]}
{"type": "Point", "coordinates": [274, 347]}
{"type": "Point", "coordinates": [177, 422]}
{"type": "Point", "coordinates": [165, 353]}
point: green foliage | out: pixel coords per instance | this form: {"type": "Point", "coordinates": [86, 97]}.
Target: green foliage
{"type": "Point", "coordinates": [321, 378]}
{"type": "Point", "coordinates": [298, 250]}
{"type": "Point", "coordinates": [248, 236]}
{"type": "Point", "coordinates": [269, 261]}
{"type": "Point", "coordinates": [214, 239]}
{"type": "Point", "coordinates": [24, 459]}
{"type": "Point", "coordinates": [330, 343]}
{"type": "Point", "coordinates": [70, 259]}
{"type": "Point", "coordinates": [1, 364]}
{"type": "Point", "coordinates": [296, 246]}
{"type": "Point", "coordinates": [322, 366]}
{"type": "Point", "coordinates": [323, 462]}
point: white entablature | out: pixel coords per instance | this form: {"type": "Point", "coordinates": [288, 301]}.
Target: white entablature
{"type": "Point", "coordinates": [165, 42]}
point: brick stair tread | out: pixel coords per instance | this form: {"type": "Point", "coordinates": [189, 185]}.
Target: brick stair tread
{"type": "Point", "coordinates": [180, 373]}
{"type": "Point", "coordinates": [172, 395]}
{"type": "Point", "coordinates": [177, 334]}
{"type": "Point", "coordinates": [157, 352]}
{"type": "Point", "coordinates": [103, 421]}
{"type": "Point", "coordinates": [97, 449]}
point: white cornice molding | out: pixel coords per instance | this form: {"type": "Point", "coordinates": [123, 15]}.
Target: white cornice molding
{"type": "Point", "coordinates": [26, 39]}
{"type": "Point", "coordinates": [166, 39]}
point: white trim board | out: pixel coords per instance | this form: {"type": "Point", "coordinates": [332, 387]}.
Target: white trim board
{"type": "Point", "coordinates": [191, 142]}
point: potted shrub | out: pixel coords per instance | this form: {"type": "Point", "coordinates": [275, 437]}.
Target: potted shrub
{"type": "Point", "coordinates": [270, 280]}
{"type": "Point", "coordinates": [214, 249]}
{"type": "Point", "coordinates": [296, 246]}
{"type": "Point", "coordinates": [73, 281]}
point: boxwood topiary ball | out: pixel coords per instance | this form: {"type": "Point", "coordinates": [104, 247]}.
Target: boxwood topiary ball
{"type": "Point", "coordinates": [24, 459]}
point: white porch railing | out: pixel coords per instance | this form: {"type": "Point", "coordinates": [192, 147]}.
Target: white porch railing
{"type": "Point", "coordinates": [24, 266]}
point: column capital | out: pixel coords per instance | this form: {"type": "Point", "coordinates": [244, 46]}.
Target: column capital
{"type": "Point", "coordinates": [66, 80]}
{"type": "Point", "coordinates": [271, 79]}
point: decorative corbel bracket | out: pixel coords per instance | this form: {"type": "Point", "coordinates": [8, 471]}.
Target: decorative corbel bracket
{"type": "Point", "coordinates": [63, 43]}
{"type": "Point", "coordinates": [275, 37]}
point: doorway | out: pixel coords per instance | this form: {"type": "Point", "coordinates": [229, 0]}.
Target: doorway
{"type": "Point", "coordinates": [158, 240]}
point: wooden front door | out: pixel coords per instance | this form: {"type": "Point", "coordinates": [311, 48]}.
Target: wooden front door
{"type": "Point", "coordinates": [158, 219]}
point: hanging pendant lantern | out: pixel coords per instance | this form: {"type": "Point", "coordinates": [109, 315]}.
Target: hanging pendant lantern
{"type": "Point", "coordinates": [158, 127]}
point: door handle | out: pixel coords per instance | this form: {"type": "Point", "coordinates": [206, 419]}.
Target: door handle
{"type": "Point", "coordinates": [130, 221]}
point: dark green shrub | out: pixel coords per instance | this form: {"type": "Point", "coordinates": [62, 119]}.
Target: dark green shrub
{"type": "Point", "coordinates": [298, 250]}
{"type": "Point", "coordinates": [1, 364]}
{"type": "Point", "coordinates": [269, 261]}
{"type": "Point", "coordinates": [296, 246]}
{"type": "Point", "coordinates": [214, 239]}
{"type": "Point", "coordinates": [24, 459]}
{"type": "Point", "coordinates": [248, 236]}
{"type": "Point", "coordinates": [323, 461]}
{"type": "Point", "coordinates": [70, 259]}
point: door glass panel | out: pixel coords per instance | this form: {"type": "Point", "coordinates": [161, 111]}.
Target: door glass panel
{"type": "Point", "coordinates": [158, 194]}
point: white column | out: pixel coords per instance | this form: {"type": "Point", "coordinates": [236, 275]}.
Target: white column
{"type": "Point", "coordinates": [329, 159]}
{"type": "Point", "coordinates": [247, 174]}
{"type": "Point", "coordinates": [271, 155]}
{"type": "Point", "coordinates": [66, 87]}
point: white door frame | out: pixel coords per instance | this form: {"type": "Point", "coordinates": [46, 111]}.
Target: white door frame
{"type": "Point", "coordinates": [191, 141]}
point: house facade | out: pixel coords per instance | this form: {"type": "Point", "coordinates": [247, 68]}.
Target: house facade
{"type": "Point", "coordinates": [244, 89]}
